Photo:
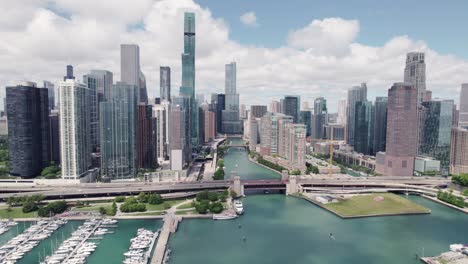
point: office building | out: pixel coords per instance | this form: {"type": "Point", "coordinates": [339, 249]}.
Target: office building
{"type": "Point", "coordinates": [54, 137]}
{"type": "Point", "coordinates": [319, 118]}
{"type": "Point", "coordinates": [380, 124]}
{"type": "Point", "coordinates": [463, 110]}
{"type": "Point", "coordinates": [130, 70]}
{"type": "Point", "coordinates": [69, 75]}
{"type": "Point", "coordinates": [341, 118]}
{"type": "Point", "coordinates": [146, 138]}
{"type": "Point", "coordinates": [184, 104]}
{"type": "Point", "coordinates": [118, 132]}
{"type": "Point", "coordinates": [275, 107]}
{"type": "Point", "coordinates": [401, 143]}
{"type": "Point", "coordinates": [258, 111]}
{"type": "Point", "coordinates": [165, 83]}
{"type": "Point", "coordinates": [364, 128]}
{"type": "Point", "coordinates": [28, 129]}
{"type": "Point", "coordinates": [355, 94]}
{"type": "Point", "coordinates": [75, 131]}
{"type": "Point", "coordinates": [459, 150]}
{"type": "Point", "coordinates": [435, 135]}
{"type": "Point", "coordinates": [91, 82]}
{"type": "Point", "coordinates": [230, 116]}
{"type": "Point", "coordinates": [290, 105]}
{"type": "Point", "coordinates": [177, 138]}
{"type": "Point", "coordinates": [51, 93]}
{"type": "Point", "coordinates": [305, 117]}
{"type": "Point", "coordinates": [415, 73]}
{"type": "Point", "coordinates": [253, 134]}
{"type": "Point", "coordinates": [334, 131]}
{"type": "Point", "coordinates": [161, 113]}
{"type": "Point", "coordinates": [209, 125]}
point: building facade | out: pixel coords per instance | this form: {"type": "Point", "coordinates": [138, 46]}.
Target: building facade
{"type": "Point", "coordinates": [463, 110]}
{"type": "Point", "coordinates": [415, 73]}
{"type": "Point", "coordinates": [210, 125]}
{"type": "Point", "coordinates": [146, 138]}
{"type": "Point", "coordinates": [380, 124]}
{"type": "Point", "coordinates": [28, 129]}
{"type": "Point", "coordinates": [177, 138]}
{"type": "Point", "coordinates": [165, 83]}
{"type": "Point", "coordinates": [319, 118]}
{"type": "Point", "coordinates": [459, 150]}
{"type": "Point", "coordinates": [290, 105]}
{"type": "Point", "coordinates": [355, 94]}
{"type": "Point", "coordinates": [364, 128]}
{"type": "Point", "coordinates": [130, 70]}
{"type": "Point", "coordinates": [161, 112]}
{"type": "Point", "coordinates": [305, 117]}
{"type": "Point", "coordinates": [258, 111]}
{"type": "Point", "coordinates": [230, 115]}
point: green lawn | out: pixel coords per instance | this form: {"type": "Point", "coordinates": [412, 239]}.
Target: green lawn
{"type": "Point", "coordinates": [92, 208]}
{"type": "Point", "coordinates": [185, 206]}
{"type": "Point", "coordinates": [186, 212]}
{"type": "Point", "coordinates": [160, 207]}
{"type": "Point", "coordinates": [365, 205]}
{"type": "Point", "coordinates": [16, 212]}
{"type": "Point", "coordinates": [147, 213]}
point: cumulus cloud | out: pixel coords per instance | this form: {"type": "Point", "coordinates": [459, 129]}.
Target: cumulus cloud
{"type": "Point", "coordinates": [249, 19]}
{"type": "Point", "coordinates": [320, 59]}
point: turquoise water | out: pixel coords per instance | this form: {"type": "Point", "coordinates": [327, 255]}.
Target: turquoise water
{"type": "Point", "coordinates": [245, 169]}
{"type": "Point", "coordinates": [280, 229]}
{"type": "Point", "coordinates": [14, 231]}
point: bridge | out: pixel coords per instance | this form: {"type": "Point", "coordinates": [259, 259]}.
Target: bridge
{"type": "Point", "coordinates": [91, 190]}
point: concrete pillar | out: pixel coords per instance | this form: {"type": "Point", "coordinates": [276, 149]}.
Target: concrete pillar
{"type": "Point", "coordinates": [176, 176]}
{"type": "Point", "coordinates": [284, 175]}
{"type": "Point", "coordinates": [237, 186]}
{"type": "Point", "coordinates": [291, 186]}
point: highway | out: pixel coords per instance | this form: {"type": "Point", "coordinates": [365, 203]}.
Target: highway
{"type": "Point", "coordinates": [131, 188]}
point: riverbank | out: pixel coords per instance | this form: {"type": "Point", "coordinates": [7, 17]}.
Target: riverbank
{"type": "Point", "coordinates": [266, 167]}
{"type": "Point", "coordinates": [434, 199]}
{"type": "Point", "coordinates": [370, 205]}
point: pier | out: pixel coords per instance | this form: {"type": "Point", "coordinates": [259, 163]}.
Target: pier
{"type": "Point", "coordinates": [171, 222]}
{"type": "Point", "coordinates": [83, 241]}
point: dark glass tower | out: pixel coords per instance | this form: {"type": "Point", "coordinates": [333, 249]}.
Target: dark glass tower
{"type": "Point", "coordinates": [28, 129]}
{"type": "Point", "coordinates": [290, 106]}
{"type": "Point", "coordinates": [364, 128]}
{"type": "Point", "coordinates": [380, 124]}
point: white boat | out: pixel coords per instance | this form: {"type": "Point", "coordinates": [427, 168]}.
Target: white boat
{"type": "Point", "coordinates": [224, 216]}
{"type": "Point", "coordinates": [238, 207]}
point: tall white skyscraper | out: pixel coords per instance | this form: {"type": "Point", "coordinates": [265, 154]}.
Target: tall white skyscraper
{"type": "Point", "coordinates": [463, 113]}
{"type": "Point", "coordinates": [232, 97]}
{"type": "Point", "coordinates": [75, 140]}
{"type": "Point", "coordinates": [130, 69]}
{"type": "Point", "coordinates": [415, 73]}
{"type": "Point", "coordinates": [341, 119]}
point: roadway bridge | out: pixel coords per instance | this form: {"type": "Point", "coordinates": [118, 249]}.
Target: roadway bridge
{"type": "Point", "coordinates": [89, 190]}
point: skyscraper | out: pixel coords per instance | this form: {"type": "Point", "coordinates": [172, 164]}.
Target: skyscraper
{"type": "Point", "coordinates": [415, 73]}
{"type": "Point", "coordinates": [188, 77]}
{"type": "Point", "coordinates": [380, 123]}
{"type": "Point", "coordinates": [401, 143]}
{"type": "Point", "coordinates": [91, 82]}
{"type": "Point", "coordinates": [275, 107]}
{"type": "Point", "coordinates": [161, 112]}
{"type": "Point", "coordinates": [305, 117]}
{"type": "Point", "coordinates": [130, 70]}
{"type": "Point", "coordinates": [230, 116]}
{"type": "Point", "coordinates": [104, 81]}
{"type": "Point", "coordinates": [51, 92]}
{"type": "Point", "coordinates": [341, 118]}
{"type": "Point", "coordinates": [118, 132]}
{"type": "Point", "coordinates": [75, 139]}
{"type": "Point", "coordinates": [364, 128]}
{"type": "Point", "coordinates": [459, 150]}
{"type": "Point", "coordinates": [463, 111]}
{"type": "Point", "coordinates": [435, 136]}
{"type": "Point", "coordinates": [319, 118]}
{"type": "Point", "coordinates": [28, 129]}
{"type": "Point", "coordinates": [165, 83]}
{"type": "Point", "coordinates": [220, 106]}
{"type": "Point", "coordinates": [258, 111]}
{"type": "Point", "coordinates": [253, 134]}
{"type": "Point", "coordinates": [290, 105]}
{"type": "Point", "coordinates": [177, 138]}
{"type": "Point", "coordinates": [355, 94]}
{"type": "Point", "coordinates": [210, 125]}
{"type": "Point", "coordinates": [54, 138]}
{"type": "Point", "coordinates": [69, 75]}
{"type": "Point", "coordinates": [184, 104]}
{"type": "Point", "coordinates": [146, 140]}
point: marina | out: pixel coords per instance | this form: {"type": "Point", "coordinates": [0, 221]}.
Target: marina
{"type": "Point", "coordinates": [77, 248]}
{"type": "Point", "coordinates": [141, 247]}
{"type": "Point", "coordinates": [17, 247]}
{"type": "Point", "coordinates": [6, 225]}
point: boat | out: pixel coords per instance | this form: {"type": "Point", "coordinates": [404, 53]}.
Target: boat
{"type": "Point", "coordinates": [224, 216]}
{"type": "Point", "coordinates": [238, 207]}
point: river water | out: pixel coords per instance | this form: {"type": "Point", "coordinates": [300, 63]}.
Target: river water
{"type": "Point", "coordinates": [280, 229]}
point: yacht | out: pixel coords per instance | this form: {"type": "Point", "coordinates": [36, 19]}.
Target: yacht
{"type": "Point", "coordinates": [238, 207]}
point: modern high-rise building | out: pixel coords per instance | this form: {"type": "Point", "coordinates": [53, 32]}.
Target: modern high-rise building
{"type": "Point", "coordinates": [230, 116]}
{"type": "Point", "coordinates": [253, 134]}
{"type": "Point", "coordinates": [305, 117]}
{"type": "Point", "coordinates": [220, 106]}
{"type": "Point", "coordinates": [146, 138]}
{"type": "Point", "coordinates": [258, 111]}
{"type": "Point", "coordinates": [28, 129]}
{"type": "Point", "coordinates": [364, 128]}
{"type": "Point", "coordinates": [290, 105]}
{"type": "Point", "coordinates": [161, 113]}
{"type": "Point", "coordinates": [177, 138]}
{"type": "Point", "coordinates": [338, 131]}
{"type": "Point", "coordinates": [341, 118]}
{"type": "Point", "coordinates": [165, 83]}
{"type": "Point", "coordinates": [319, 118]}
{"type": "Point", "coordinates": [463, 111]}
{"type": "Point", "coordinates": [51, 91]}
{"type": "Point", "coordinates": [269, 132]}
{"type": "Point", "coordinates": [184, 104]}
{"type": "Point", "coordinates": [104, 82]}
{"type": "Point", "coordinates": [401, 143]}
{"type": "Point", "coordinates": [54, 136]}
{"type": "Point", "coordinates": [435, 136]}
{"type": "Point", "coordinates": [75, 130]}
{"type": "Point", "coordinates": [355, 94]}
{"type": "Point", "coordinates": [275, 107]}
{"type": "Point", "coordinates": [459, 150]}
{"type": "Point", "coordinates": [380, 123]}
{"type": "Point", "coordinates": [118, 119]}
{"type": "Point", "coordinates": [91, 82]}
{"type": "Point", "coordinates": [415, 73]}
{"type": "Point", "coordinates": [295, 145]}
{"type": "Point", "coordinates": [130, 70]}
{"type": "Point", "coordinates": [281, 137]}
{"type": "Point", "coordinates": [187, 88]}
{"type": "Point", "coordinates": [69, 75]}
{"type": "Point", "coordinates": [210, 125]}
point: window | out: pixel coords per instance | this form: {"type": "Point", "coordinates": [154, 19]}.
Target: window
{"type": "Point", "coordinates": [404, 163]}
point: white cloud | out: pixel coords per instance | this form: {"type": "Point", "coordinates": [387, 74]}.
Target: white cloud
{"type": "Point", "coordinates": [249, 19]}
{"type": "Point", "coordinates": [321, 59]}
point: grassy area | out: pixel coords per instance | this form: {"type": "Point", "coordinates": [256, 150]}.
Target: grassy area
{"type": "Point", "coordinates": [186, 212]}
{"type": "Point", "coordinates": [159, 207]}
{"type": "Point", "coordinates": [147, 213]}
{"type": "Point", "coordinates": [185, 206]}
{"type": "Point", "coordinates": [366, 205]}
{"type": "Point", "coordinates": [16, 212]}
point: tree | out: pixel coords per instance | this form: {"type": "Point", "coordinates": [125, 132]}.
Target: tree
{"type": "Point", "coordinates": [166, 206]}
{"type": "Point", "coordinates": [461, 179]}
{"type": "Point", "coordinates": [212, 196]}
{"type": "Point", "coordinates": [142, 197]}
{"type": "Point", "coordinates": [119, 199]}
{"type": "Point", "coordinates": [296, 172]}
{"type": "Point", "coordinates": [29, 206]}
{"type": "Point", "coordinates": [220, 163]}
{"type": "Point", "coordinates": [203, 195]}
{"type": "Point", "coordinates": [233, 194]}
{"type": "Point", "coordinates": [216, 207]}
{"type": "Point", "coordinates": [312, 169]}
{"type": "Point", "coordinates": [155, 198]}
{"type": "Point", "coordinates": [202, 207]}
{"type": "Point", "coordinates": [219, 174]}
{"type": "Point", "coordinates": [102, 210]}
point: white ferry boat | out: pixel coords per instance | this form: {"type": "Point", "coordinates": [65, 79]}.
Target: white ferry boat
{"type": "Point", "coordinates": [239, 207]}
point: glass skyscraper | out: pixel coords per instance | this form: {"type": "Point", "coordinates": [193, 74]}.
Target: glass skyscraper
{"type": "Point", "coordinates": [364, 128]}
{"type": "Point", "coordinates": [188, 75]}
{"type": "Point", "coordinates": [118, 132]}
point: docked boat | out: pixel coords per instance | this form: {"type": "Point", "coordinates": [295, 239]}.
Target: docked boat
{"type": "Point", "coordinates": [238, 207]}
{"type": "Point", "coordinates": [224, 216]}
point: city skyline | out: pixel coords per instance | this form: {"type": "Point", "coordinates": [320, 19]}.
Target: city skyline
{"type": "Point", "coordinates": [352, 61]}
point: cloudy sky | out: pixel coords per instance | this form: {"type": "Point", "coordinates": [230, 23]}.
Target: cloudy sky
{"type": "Point", "coordinates": [308, 48]}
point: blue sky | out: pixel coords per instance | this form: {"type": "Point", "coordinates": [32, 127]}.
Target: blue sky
{"type": "Point", "coordinates": [441, 24]}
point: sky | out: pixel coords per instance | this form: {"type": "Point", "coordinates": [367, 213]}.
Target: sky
{"type": "Point", "coordinates": [299, 47]}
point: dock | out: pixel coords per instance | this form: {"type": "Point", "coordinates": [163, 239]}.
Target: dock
{"type": "Point", "coordinates": [82, 242]}
{"type": "Point", "coordinates": [171, 222]}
